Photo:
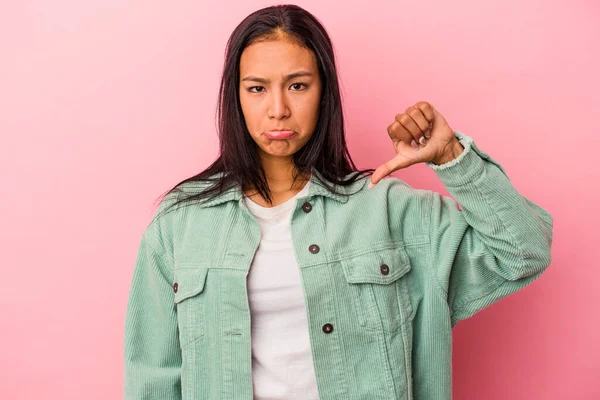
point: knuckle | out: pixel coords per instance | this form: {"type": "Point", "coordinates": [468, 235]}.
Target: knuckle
{"type": "Point", "coordinates": [390, 132]}
{"type": "Point", "coordinates": [404, 119]}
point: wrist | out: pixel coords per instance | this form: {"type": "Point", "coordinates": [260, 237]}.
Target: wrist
{"type": "Point", "coordinates": [453, 150]}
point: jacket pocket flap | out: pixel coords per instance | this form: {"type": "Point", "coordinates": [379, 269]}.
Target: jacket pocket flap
{"type": "Point", "coordinates": [368, 267]}
{"type": "Point", "coordinates": [190, 282]}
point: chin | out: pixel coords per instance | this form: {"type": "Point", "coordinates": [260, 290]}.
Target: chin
{"type": "Point", "coordinates": [288, 151]}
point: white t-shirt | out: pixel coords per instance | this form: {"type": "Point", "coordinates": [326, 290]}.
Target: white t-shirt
{"type": "Point", "coordinates": [282, 364]}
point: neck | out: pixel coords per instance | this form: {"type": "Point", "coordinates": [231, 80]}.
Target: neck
{"type": "Point", "coordinates": [280, 174]}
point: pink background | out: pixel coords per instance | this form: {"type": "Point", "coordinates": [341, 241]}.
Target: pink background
{"type": "Point", "coordinates": [105, 104]}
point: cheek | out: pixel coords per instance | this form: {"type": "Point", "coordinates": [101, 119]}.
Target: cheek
{"type": "Point", "coordinates": [312, 114]}
{"type": "Point", "coordinates": [251, 114]}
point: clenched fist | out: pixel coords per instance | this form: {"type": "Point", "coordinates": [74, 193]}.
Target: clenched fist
{"type": "Point", "coordinates": [421, 134]}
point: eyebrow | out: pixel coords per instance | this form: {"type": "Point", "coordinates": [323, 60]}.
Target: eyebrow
{"type": "Point", "coordinates": [287, 77]}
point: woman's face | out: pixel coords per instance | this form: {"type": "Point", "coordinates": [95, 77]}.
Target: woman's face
{"type": "Point", "coordinates": [280, 89]}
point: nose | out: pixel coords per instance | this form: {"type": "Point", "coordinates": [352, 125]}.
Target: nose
{"type": "Point", "coordinates": [278, 107]}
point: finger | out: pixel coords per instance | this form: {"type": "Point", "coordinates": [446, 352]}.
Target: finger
{"type": "Point", "coordinates": [427, 110]}
{"type": "Point", "coordinates": [384, 170]}
{"type": "Point", "coordinates": [411, 126]}
{"type": "Point", "coordinates": [397, 131]}
{"type": "Point", "coordinates": [421, 123]}
{"type": "Point", "coordinates": [419, 118]}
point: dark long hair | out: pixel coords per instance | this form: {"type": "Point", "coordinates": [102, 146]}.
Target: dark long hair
{"type": "Point", "coordinates": [238, 162]}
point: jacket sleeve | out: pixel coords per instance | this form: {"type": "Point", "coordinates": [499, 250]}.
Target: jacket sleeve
{"type": "Point", "coordinates": [152, 351]}
{"type": "Point", "coordinates": [494, 244]}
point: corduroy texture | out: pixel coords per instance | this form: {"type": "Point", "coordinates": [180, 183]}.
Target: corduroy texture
{"type": "Point", "coordinates": [392, 328]}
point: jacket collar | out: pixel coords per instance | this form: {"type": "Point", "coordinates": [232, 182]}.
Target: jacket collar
{"type": "Point", "coordinates": [315, 189]}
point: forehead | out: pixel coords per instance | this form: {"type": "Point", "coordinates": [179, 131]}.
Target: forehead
{"type": "Point", "coordinates": [276, 56]}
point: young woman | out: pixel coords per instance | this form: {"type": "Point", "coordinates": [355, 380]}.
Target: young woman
{"type": "Point", "coordinates": [283, 272]}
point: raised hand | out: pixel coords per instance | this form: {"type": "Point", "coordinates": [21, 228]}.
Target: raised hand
{"type": "Point", "coordinates": [420, 134]}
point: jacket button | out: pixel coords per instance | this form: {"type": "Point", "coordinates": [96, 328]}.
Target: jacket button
{"type": "Point", "coordinates": [327, 328]}
{"type": "Point", "coordinates": [307, 207]}
{"type": "Point", "coordinates": [313, 248]}
{"type": "Point", "coordinates": [384, 269]}
{"type": "Point", "coordinates": [175, 286]}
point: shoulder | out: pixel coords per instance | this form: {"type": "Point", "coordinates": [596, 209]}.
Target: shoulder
{"type": "Point", "coordinates": [394, 199]}
{"type": "Point", "coordinates": [391, 207]}
{"type": "Point", "coordinates": [396, 189]}
{"type": "Point", "coordinates": [171, 210]}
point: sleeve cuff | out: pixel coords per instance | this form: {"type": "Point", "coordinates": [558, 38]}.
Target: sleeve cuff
{"type": "Point", "coordinates": [464, 168]}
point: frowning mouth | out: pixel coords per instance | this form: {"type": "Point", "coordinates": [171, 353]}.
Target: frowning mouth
{"type": "Point", "coordinates": [283, 134]}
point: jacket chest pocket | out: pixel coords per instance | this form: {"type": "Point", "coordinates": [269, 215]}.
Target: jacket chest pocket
{"type": "Point", "coordinates": [188, 285]}
{"type": "Point", "coordinates": [379, 289]}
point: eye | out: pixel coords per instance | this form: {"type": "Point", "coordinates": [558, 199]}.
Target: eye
{"type": "Point", "coordinates": [255, 87]}
{"type": "Point", "coordinates": [304, 85]}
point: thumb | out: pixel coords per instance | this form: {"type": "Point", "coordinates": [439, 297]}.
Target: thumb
{"type": "Point", "coordinates": [384, 170]}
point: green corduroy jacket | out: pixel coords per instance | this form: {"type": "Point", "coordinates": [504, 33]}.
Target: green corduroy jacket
{"type": "Point", "coordinates": [387, 273]}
